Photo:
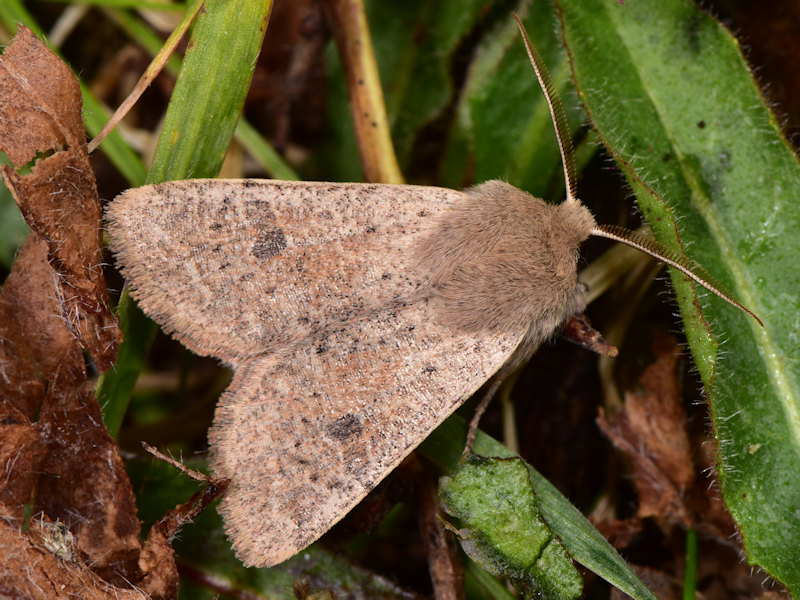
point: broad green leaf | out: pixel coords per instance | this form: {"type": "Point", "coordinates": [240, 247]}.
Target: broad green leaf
{"type": "Point", "coordinates": [669, 92]}
{"type": "Point", "coordinates": [583, 542]}
{"type": "Point", "coordinates": [503, 531]}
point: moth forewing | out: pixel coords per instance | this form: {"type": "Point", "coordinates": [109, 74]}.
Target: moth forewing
{"type": "Point", "coordinates": [307, 433]}
{"type": "Point", "coordinates": [237, 268]}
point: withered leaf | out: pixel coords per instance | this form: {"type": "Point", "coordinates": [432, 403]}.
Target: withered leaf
{"type": "Point", "coordinates": [651, 431]}
{"type": "Point", "coordinates": [34, 346]}
{"type": "Point", "coordinates": [156, 562]}
{"type": "Point", "coordinates": [40, 117]}
{"type": "Point", "coordinates": [39, 564]}
{"type": "Point", "coordinates": [34, 343]}
{"type": "Point", "coordinates": [84, 484]}
{"type": "Point", "coordinates": [55, 449]}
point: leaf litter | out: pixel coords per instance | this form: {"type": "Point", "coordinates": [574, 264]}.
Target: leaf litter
{"type": "Point", "coordinates": [672, 472]}
{"type": "Point", "coordinates": [40, 122]}
{"type": "Point", "coordinates": [67, 508]}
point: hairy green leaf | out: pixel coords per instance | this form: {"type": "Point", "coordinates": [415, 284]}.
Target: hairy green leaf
{"type": "Point", "coordinates": [671, 96]}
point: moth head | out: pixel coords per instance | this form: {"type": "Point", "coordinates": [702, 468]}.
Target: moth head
{"type": "Point", "coordinates": [578, 221]}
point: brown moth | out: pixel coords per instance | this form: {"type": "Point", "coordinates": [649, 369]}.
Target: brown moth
{"type": "Point", "coordinates": [357, 318]}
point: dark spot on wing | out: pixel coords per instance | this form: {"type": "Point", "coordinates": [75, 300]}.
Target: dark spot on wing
{"type": "Point", "coordinates": [344, 427]}
{"type": "Point", "coordinates": [270, 242]}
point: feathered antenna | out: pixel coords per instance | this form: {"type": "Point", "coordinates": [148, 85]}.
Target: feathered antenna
{"type": "Point", "coordinates": [619, 234]}
{"type": "Point", "coordinates": [556, 113]}
{"type": "Point", "coordinates": [672, 258]}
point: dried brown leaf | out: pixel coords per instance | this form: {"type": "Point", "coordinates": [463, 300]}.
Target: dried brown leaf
{"type": "Point", "coordinates": [84, 483]}
{"type": "Point", "coordinates": [21, 453]}
{"type": "Point", "coordinates": [55, 449]}
{"type": "Point", "coordinates": [651, 431]}
{"type": "Point", "coordinates": [580, 331]}
{"type": "Point", "coordinates": [618, 532]}
{"type": "Point", "coordinates": [40, 117]}
{"type": "Point", "coordinates": [40, 564]}
{"type": "Point", "coordinates": [156, 562]}
{"type": "Point", "coordinates": [33, 338]}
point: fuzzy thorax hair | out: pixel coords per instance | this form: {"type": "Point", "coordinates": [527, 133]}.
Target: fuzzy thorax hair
{"type": "Point", "coordinates": [502, 258]}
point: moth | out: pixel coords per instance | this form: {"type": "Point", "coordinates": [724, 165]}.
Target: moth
{"type": "Point", "coordinates": [357, 317]}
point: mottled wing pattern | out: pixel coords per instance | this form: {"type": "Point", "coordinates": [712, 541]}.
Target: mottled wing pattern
{"type": "Point", "coordinates": [307, 433]}
{"type": "Point", "coordinates": [237, 268]}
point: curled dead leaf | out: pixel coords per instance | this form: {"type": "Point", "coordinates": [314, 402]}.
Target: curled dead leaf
{"type": "Point", "coordinates": [41, 126]}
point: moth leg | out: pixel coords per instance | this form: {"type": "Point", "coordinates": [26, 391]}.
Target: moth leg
{"type": "Point", "coordinates": [494, 385]}
{"type": "Point", "coordinates": [575, 305]}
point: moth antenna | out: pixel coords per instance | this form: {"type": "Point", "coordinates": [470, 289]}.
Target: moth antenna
{"type": "Point", "coordinates": [652, 247]}
{"type": "Point", "coordinates": [556, 112]}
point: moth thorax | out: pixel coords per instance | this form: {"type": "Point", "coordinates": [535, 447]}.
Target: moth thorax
{"type": "Point", "coordinates": [503, 260]}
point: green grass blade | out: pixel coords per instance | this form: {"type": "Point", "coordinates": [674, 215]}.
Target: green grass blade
{"type": "Point", "coordinates": [200, 121]}
{"type": "Point", "coordinates": [210, 91]}
{"type": "Point", "coordinates": [669, 92]}
{"type": "Point", "coordinates": [115, 386]}
{"type": "Point", "coordinates": [246, 134]}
